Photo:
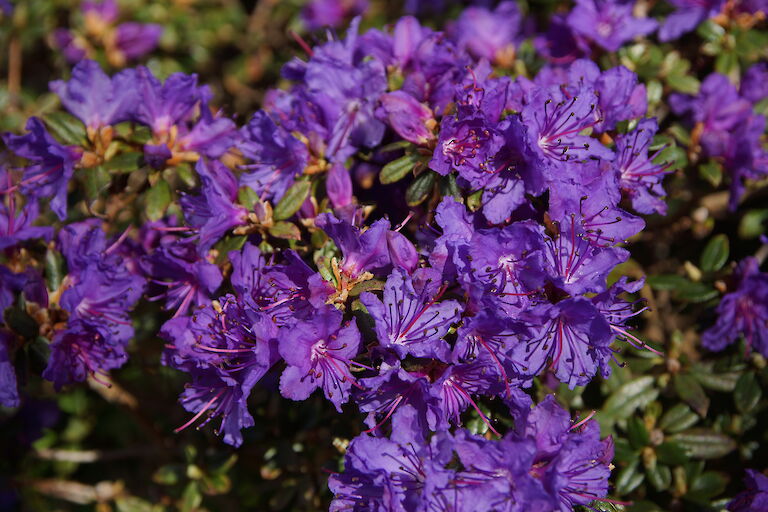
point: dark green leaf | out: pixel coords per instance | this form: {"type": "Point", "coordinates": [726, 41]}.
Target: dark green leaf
{"type": "Point", "coordinates": [671, 454]}
{"type": "Point", "coordinates": [747, 393]}
{"type": "Point", "coordinates": [637, 433]}
{"type": "Point", "coordinates": [292, 200]}
{"type": "Point", "coordinates": [191, 499]}
{"type": "Point", "coordinates": [629, 479]}
{"type": "Point", "coordinates": [704, 444]}
{"type": "Point", "coordinates": [659, 476]}
{"type": "Point", "coordinates": [707, 485]}
{"type": "Point", "coordinates": [689, 389]}
{"type": "Point", "coordinates": [623, 402]}
{"type": "Point", "coordinates": [157, 200]}
{"type": "Point", "coordinates": [725, 382]}
{"type": "Point", "coordinates": [667, 282]}
{"type": "Point", "coordinates": [420, 189]}
{"type": "Point", "coordinates": [715, 254]}
{"type": "Point", "coordinates": [678, 418]}
{"type": "Point", "coordinates": [684, 83]}
{"type": "Point", "coordinates": [398, 169]}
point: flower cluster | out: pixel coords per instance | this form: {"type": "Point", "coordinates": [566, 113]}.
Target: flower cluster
{"type": "Point", "coordinates": [121, 42]}
{"type": "Point", "coordinates": [506, 205]}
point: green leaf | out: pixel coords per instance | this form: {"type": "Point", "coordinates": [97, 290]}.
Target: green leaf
{"type": "Point", "coordinates": [727, 62]}
{"type": "Point", "coordinates": [715, 254]}
{"type": "Point", "coordinates": [637, 433]}
{"type": "Point", "coordinates": [671, 454]}
{"type": "Point", "coordinates": [124, 162]}
{"type": "Point", "coordinates": [684, 83]}
{"type": "Point", "coordinates": [707, 485]}
{"type": "Point", "coordinates": [747, 393]}
{"type": "Point", "coordinates": [449, 187]}
{"type": "Point", "coordinates": [167, 475]}
{"type": "Point", "coordinates": [66, 128]}
{"type": "Point", "coordinates": [398, 169]}
{"type": "Point", "coordinates": [704, 444]}
{"type": "Point", "coordinates": [689, 389]}
{"type": "Point", "coordinates": [629, 479]}
{"type": "Point", "coordinates": [753, 223]}
{"type": "Point", "coordinates": [54, 269]}
{"type": "Point", "coordinates": [419, 190]}
{"type": "Point", "coordinates": [710, 31]}
{"type": "Point", "coordinates": [286, 230]}
{"type": "Point", "coordinates": [660, 476]}
{"type": "Point", "coordinates": [667, 282]}
{"type": "Point", "coordinates": [623, 402]}
{"type": "Point", "coordinates": [725, 381]}
{"type": "Point", "coordinates": [475, 200]}
{"type": "Point", "coordinates": [292, 200]}
{"type": "Point", "coordinates": [678, 418]}
{"type": "Point", "coordinates": [157, 200]}
{"type": "Point", "coordinates": [96, 180]}
{"type": "Point", "coordinates": [229, 244]}
{"type": "Point", "coordinates": [366, 286]}
{"type": "Point", "coordinates": [712, 171]}
{"type": "Point", "coordinates": [191, 499]}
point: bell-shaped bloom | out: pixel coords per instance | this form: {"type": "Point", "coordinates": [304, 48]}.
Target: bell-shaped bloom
{"type": "Point", "coordinates": [9, 392]}
{"type": "Point", "coordinates": [754, 497]}
{"type": "Point", "coordinates": [486, 33]}
{"type": "Point", "coordinates": [687, 16]}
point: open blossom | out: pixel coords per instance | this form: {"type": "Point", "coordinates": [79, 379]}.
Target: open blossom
{"type": "Point", "coordinates": [319, 353]}
{"type": "Point", "coordinates": [51, 165]}
{"type": "Point", "coordinates": [742, 312]}
{"type": "Point", "coordinates": [609, 23]}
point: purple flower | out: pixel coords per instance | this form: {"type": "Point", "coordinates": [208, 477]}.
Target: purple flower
{"type": "Point", "coordinates": [135, 40]}
{"type": "Point", "coordinates": [466, 144]}
{"type": "Point", "coordinates": [755, 497]}
{"type": "Point", "coordinates": [575, 262]}
{"type": "Point", "coordinates": [213, 211]}
{"type": "Point", "coordinates": [362, 252]}
{"type": "Point", "coordinates": [83, 349]}
{"type": "Point", "coordinates": [743, 311]}
{"type": "Point", "coordinates": [560, 44]}
{"type": "Point", "coordinates": [69, 45]}
{"type": "Point", "coordinates": [181, 277]}
{"type": "Point", "coordinates": [411, 320]}
{"type": "Point", "coordinates": [100, 293]}
{"type": "Point", "coordinates": [573, 338]}
{"type": "Point", "coordinates": [163, 105]}
{"type": "Point", "coordinates": [554, 121]}
{"type": "Point", "coordinates": [9, 393]}
{"type": "Point", "coordinates": [52, 165]}
{"type": "Point", "coordinates": [639, 177]}
{"type": "Point", "coordinates": [278, 157]}
{"type": "Point", "coordinates": [609, 23]}
{"type": "Point", "coordinates": [15, 221]}
{"type": "Point", "coordinates": [412, 120]}
{"type": "Point", "coordinates": [486, 34]}
{"type": "Point", "coordinates": [95, 98]}
{"type": "Point", "coordinates": [687, 16]}
{"type": "Point", "coordinates": [754, 83]}
{"type": "Point", "coordinates": [331, 13]}
{"type": "Point", "coordinates": [210, 396]}
{"type": "Point", "coordinates": [319, 352]}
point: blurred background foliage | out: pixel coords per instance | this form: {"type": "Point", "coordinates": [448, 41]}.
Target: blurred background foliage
{"type": "Point", "coordinates": [685, 424]}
